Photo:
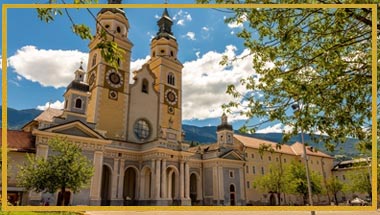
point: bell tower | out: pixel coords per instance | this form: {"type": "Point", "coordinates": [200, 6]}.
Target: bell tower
{"type": "Point", "coordinates": [224, 132]}
{"type": "Point", "coordinates": [168, 71]}
{"type": "Point", "coordinates": [109, 86]}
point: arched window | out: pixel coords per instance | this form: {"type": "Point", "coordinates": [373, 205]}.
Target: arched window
{"type": "Point", "coordinates": [144, 86]}
{"type": "Point", "coordinates": [93, 60]}
{"type": "Point", "coordinates": [232, 188]}
{"type": "Point", "coordinates": [171, 79]}
{"type": "Point", "coordinates": [78, 103]}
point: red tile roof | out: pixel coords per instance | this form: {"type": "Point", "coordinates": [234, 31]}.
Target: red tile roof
{"type": "Point", "coordinates": [19, 140]}
{"type": "Point", "coordinates": [48, 115]}
{"type": "Point", "coordinates": [255, 143]}
{"type": "Point", "coordinates": [295, 149]}
{"type": "Point", "coordinates": [298, 149]}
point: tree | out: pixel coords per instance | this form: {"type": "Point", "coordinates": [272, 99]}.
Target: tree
{"type": "Point", "coordinates": [296, 174]}
{"type": "Point", "coordinates": [334, 186]}
{"type": "Point", "coordinates": [65, 168]}
{"type": "Point", "coordinates": [359, 181]}
{"type": "Point", "coordinates": [316, 56]}
{"type": "Point", "coordinates": [273, 182]}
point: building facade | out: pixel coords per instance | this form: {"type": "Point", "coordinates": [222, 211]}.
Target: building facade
{"type": "Point", "coordinates": [132, 133]}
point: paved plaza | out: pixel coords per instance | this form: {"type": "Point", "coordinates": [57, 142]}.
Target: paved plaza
{"type": "Point", "coordinates": [231, 212]}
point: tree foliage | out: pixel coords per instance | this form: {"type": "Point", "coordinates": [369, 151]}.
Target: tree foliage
{"type": "Point", "coordinates": [359, 181]}
{"type": "Point", "coordinates": [273, 181]}
{"type": "Point", "coordinates": [318, 57]}
{"type": "Point", "coordinates": [65, 168]}
{"type": "Point", "coordinates": [296, 174]}
{"type": "Point", "coordinates": [334, 186]}
{"type": "Point", "coordinates": [110, 51]}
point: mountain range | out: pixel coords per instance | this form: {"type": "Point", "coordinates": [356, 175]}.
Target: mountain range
{"type": "Point", "coordinates": [200, 135]}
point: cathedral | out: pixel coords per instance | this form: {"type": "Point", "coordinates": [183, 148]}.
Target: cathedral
{"type": "Point", "coordinates": [132, 133]}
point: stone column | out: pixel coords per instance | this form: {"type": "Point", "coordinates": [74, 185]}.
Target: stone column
{"type": "Point", "coordinates": [221, 183]}
{"type": "Point", "coordinates": [152, 179]}
{"type": "Point", "coordinates": [121, 180]}
{"type": "Point", "coordinates": [187, 181]}
{"type": "Point", "coordinates": [215, 185]}
{"type": "Point", "coordinates": [96, 180]}
{"type": "Point", "coordinates": [169, 193]}
{"type": "Point", "coordinates": [242, 184]}
{"type": "Point", "coordinates": [199, 187]}
{"type": "Point", "coordinates": [157, 180]}
{"type": "Point", "coordinates": [115, 178]}
{"type": "Point", "coordinates": [181, 180]}
{"type": "Point", "coordinates": [163, 179]}
{"type": "Point", "coordinates": [142, 186]}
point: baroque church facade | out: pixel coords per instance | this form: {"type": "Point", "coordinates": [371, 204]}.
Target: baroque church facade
{"type": "Point", "coordinates": [132, 133]}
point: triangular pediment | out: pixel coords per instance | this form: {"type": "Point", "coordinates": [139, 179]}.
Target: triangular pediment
{"type": "Point", "coordinates": [232, 155]}
{"type": "Point", "coordinates": [75, 128]}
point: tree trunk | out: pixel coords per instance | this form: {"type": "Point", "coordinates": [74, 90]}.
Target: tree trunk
{"type": "Point", "coordinates": [62, 200]}
{"type": "Point", "coordinates": [336, 199]}
{"type": "Point", "coordinates": [279, 198]}
{"type": "Point", "coordinates": [304, 199]}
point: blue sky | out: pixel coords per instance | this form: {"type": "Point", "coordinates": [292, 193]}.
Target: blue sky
{"type": "Point", "coordinates": [42, 57]}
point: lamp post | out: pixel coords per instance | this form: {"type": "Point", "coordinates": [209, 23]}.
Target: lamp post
{"type": "Point", "coordinates": [297, 107]}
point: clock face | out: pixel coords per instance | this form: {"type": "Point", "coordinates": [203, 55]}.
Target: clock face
{"type": "Point", "coordinates": [114, 78]}
{"type": "Point", "coordinates": [171, 97]}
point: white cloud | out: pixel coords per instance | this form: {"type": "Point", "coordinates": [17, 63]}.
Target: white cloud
{"type": "Point", "coordinates": [188, 17]}
{"type": "Point", "coordinates": [190, 35]}
{"type": "Point", "coordinates": [181, 22]}
{"type": "Point", "coordinates": [232, 32]}
{"type": "Point", "coordinates": [57, 105]}
{"type": "Point", "coordinates": [182, 17]}
{"type": "Point", "coordinates": [53, 68]}
{"type": "Point", "coordinates": [205, 28]}
{"type": "Point", "coordinates": [136, 65]}
{"type": "Point", "coordinates": [157, 16]}
{"type": "Point", "coordinates": [276, 128]}
{"type": "Point", "coordinates": [198, 54]}
{"type": "Point", "coordinates": [48, 67]}
{"type": "Point", "coordinates": [205, 82]}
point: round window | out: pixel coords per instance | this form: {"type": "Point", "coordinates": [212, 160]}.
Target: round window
{"type": "Point", "coordinates": [141, 129]}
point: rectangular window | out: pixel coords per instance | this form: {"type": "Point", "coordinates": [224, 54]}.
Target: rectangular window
{"type": "Point", "coordinates": [248, 184]}
{"type": "Point", "coordinates": [276, 159]}
{"type": "Point", "coordinates": [262, 170]}
{"type": "Point", "coordinates": [246, 169]}
{"type": "Point", "coordinates": [270, 158]}
{"type": "Point", "coordinates": [253, 170]}
{"type": "Point", "coordinates": [231, 173]}
{"type": "Point", "coordinates": [252, 155]}
{"type": "Point", "coordinates": [284, 160]}
{"type": "Point", "coordinates": [261, 157]}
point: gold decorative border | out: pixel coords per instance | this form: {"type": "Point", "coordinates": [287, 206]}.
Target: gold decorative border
{"type": "Point", "coordinates": [373, 7]}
